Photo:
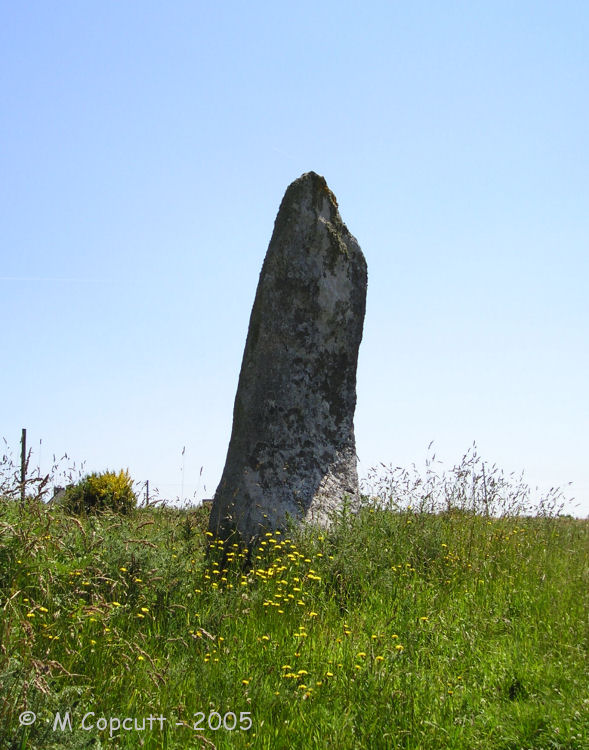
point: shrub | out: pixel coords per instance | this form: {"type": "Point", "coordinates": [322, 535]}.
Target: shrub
{"type": "Point", "coordinates": [100, 492]}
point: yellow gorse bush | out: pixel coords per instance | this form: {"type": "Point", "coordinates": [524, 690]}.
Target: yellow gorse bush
{"type": "Point", "coordinates": [102, 491]}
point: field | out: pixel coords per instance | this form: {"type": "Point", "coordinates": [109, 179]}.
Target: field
{"type": "Point", "coordinates": [403, 626]}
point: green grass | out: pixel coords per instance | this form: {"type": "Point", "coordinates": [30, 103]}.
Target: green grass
{"type": "Point", "coordinates": [398, 628]}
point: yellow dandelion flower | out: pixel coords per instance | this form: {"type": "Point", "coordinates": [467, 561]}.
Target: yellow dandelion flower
{"type": "Point", "coordinates": [379, 658]}
{"type": "Point", "coordinates": [245, 682]}
{"type": "Point", "coordinates": [123, 570]}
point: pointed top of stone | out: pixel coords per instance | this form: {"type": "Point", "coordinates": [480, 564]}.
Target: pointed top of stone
{"type": "Point", "coordinates": [308, 199]}
{"type": "Point", "coordinates": [312, 184]}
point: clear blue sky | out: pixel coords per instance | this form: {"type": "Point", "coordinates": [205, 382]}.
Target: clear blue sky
{"type": "Point", "coordinates": [144, 151]}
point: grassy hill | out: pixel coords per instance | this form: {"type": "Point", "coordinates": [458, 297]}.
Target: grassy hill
{"type": "Point", "coordinates": [398, 628]}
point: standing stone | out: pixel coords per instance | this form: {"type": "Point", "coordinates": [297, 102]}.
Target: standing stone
{"type": "Point", "coordinates": [292, 452]}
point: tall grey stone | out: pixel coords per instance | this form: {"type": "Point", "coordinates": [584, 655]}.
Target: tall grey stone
{"type": "Point", "coordinates": [292, 452]}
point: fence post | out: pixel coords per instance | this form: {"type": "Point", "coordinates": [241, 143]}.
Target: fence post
{"type": "Point", "coordinates": [485, 491]}
{"type": "Point", "coordinates": [23, 464]}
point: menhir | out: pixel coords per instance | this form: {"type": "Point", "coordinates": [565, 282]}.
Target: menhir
{"type": "Point", "coordinates": [292, 453]}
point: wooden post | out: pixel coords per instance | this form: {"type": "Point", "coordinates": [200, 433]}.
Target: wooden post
{"type": "Point", "coordinates": [23, 464]}
{"type": "Point", "coordinates": [147, 492]}
{"type": "Point", "coordinates": [485, 491]}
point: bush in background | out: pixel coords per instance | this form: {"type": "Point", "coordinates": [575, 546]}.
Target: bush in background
{"type": "Point", "coordinates": [107, 491]}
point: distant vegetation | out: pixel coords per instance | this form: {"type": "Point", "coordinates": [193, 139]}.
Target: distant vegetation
{"type": "Point", "coordinates": [442, 615]}
{"type": "Point", "coordinates": [96, 492]}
